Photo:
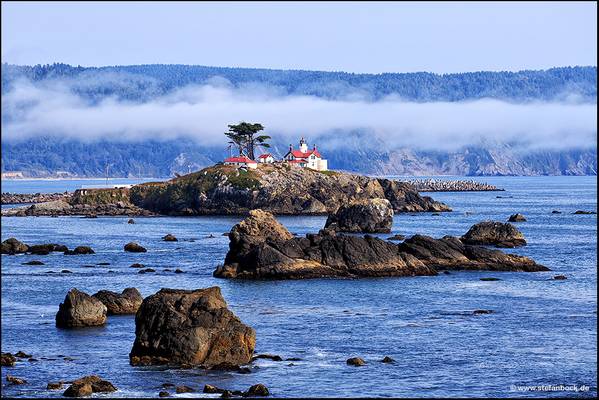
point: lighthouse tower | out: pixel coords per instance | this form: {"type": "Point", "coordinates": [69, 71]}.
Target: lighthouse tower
{"type": "Point", "coordinates": [303, 146]}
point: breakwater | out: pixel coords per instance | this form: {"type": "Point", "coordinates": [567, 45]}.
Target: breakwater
{"type": "Point", "coordinates": [19, 198]}
{"type": "Point", "coordinates": [438, 185]}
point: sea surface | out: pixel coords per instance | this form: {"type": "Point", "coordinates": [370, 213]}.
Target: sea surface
{"type": "Point", "coordinates": [542, 331]}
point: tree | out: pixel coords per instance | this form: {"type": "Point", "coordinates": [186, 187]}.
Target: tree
{"type": "Point", "coordinates": [243, 136]}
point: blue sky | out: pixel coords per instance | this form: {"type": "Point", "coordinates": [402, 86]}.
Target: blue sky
{"type": "Point", "coordinates": [354, 37]}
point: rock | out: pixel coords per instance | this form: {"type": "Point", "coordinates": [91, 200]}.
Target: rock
{"type": "Point", "coordinates": [184, 389]}
{"type": "Point", "coordinates": [293, 359]}
{"type": "Point", "coordinates": [8, 360]}
{"type": "Point", "coordinates": [143, 271]}
{"type": "Point", "coordinates": [170, 238]}
{"type": "Point", "coordinates": [21, 354]}
{"type": "Point", "coordinates": [478, 312]}
{"type": "Point", "coordinates": [560, 277]}
{"type": "Point", "coordinates": [268, 357]}
{"type": "Point", "coordinates": [136, 265]}
{"type": "Point", "coordinates": [79, 250]}
{"type": "Point", "coordinates": [66, 271]}
{"type": "Point", "coordinates": [517, 218]}
{"type": "Point", "coordinates": [34, 262]}
{"type": "Point", "coordinates": [387, 360]}
{"type": "Point", "coordinates": [490, 279]}
{"type": "Point", "coordinates": [14, 380]}
{"type": "Point", "coordinates": [178, 271]}
{"type": "Point", "coordinates": [227, 394]}
{"type": "Point", "coordinates": [396, 237]}
{"type": "Point", "coordinates": [355, 361]}
{"type": "Point", "coordinates": [32, 359]}
{"type": "Point", "coordinates": [134, 248]}
{"type": "Point", "coordinates": [498, 234]}
{"type": "Point", "coordinates": [556, 212]}
{"type": "Point", "coordinates": [80, 310]}
{"type": "Point", "coordinates": [87, 385]}
{"type": "Point", "coordinates": [126, 302]}
{"type": "Point", "coordinates": [257, 390]}
{"type": "Point", "coordinates": [163, 393]}
{"type": "Point", "coordinates": [54, 386]}
{"type": "Point", "coordinates": [13, 246]}
{"type": "Point", "coordinates": [584, 212]}
{"type": "Point", "coordinates": [192, 327]}
{"type": "Point", "coordinates": [103, 263]}
{"type": "Point", "coordinates": [212, 389]}
{"type": "Point", "coordinates": [131, 221]}
{"type": "Point", "coordinates": [269, 251]}
{"type": "Point", "coordinates": [367, 216]}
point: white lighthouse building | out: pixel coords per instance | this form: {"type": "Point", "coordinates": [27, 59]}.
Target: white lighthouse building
{"type": "Point", "coordinates": [306, 158]}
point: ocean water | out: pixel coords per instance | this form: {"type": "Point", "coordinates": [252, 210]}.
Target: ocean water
{"type": "Point", "coordinates": [542, 331]}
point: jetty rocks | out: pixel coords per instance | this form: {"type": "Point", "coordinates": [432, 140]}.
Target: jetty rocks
{"type": "Point", "coordinates": [126, 302]}
{"type": "Point", "coordinates": [498, 234]}
{"type": "Point", "coordinates": [80, 310]}
{"type": "Point", "coordinates": [13, 246]}
{"type": "Point", "coordinates": [261, 248]}
{"type": "Point", "coordinates": [190, 328]}
{"type": "Point", "coordinates": [367, 216]}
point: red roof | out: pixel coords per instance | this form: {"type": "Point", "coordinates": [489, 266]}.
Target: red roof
{"type": "Point", "coordinates": [298, 161]}
{"type": "Point", "coordinates": [265, 155]}
{"type": "Point", "coordinates": [240, 159]}
{"type": "Point", "coordinates": [299, 154]}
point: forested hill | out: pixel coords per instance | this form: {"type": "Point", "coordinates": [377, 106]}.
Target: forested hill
{"type": "Point", "coordinates": [143, 82]}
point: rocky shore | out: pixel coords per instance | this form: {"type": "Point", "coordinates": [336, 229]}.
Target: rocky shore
{"type": "Point", "coordinates": [227, 190]}
{"type": "Point", "coordinates": [261, 248]}
{"type": "Point", "coordinates": [18, 198]}
{"type": "Point", "coordinates": [438, 185]}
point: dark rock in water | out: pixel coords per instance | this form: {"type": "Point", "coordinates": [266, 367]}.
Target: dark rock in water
{"type": "Point", "coordinates": [126, 302]}
{"type": "Point", "coordinates": [66, 271]}
{"type": "Point", "coordinates": [80, 250]}
{"type": "Point", "coordinates": [136, 265]}
{"type": "Point", "coordinates": [272, 357]}
{"type": "Point", "coordinates": [80, 310]}
{"type": "Point", "coordinates": [356, 361]}
{"type": "Point", "coordinates": [21, 354]}
{"type": "Point", "coordinates": [212, 389]}
{"type": "Point", "coordinates": [13, 246]}
{"type": "Point", "coordinates": [478, 312]}
{"type": "Point", "coordinates": [184, 389]}
{"type": "Point", "coordinates": [87, 385]}
{"type": "Point", "coordinates": [178, 271]}
{"type": "Point", "coordinates": [257, 390]}
{"type": "Point", "coordinates": [14, 380]}
{"type": "Point", "coordinates": [41, 249]}
{"type": "Point", "coordinates": [34, 262]}
{"type": "Point", "coordinates": [584, 212]}
{"type": "Point", "coordinates": [170, 238]}
{"type": "Point", "coordinates": [143, 271]}
{"type": "Point", "coordinates": [32, 359]}
{"type": "Point", "coordinates": [49, 272]}
{"type": "Point", "coordinates": [560, 277]}
{"type": "Point", "coordinates": [262, 248]}
{"type": "Point", "coordinates": [396, 237]}
{"type": "Point", "coordinates": [517, 218]}
{"type": "Point", "coordinates": [103, 263]}
{"type": "Point", "coordinates": [211, 236]}
{"type": "Point", "coordinates": [163, 393]}
{"type": "Point", "coordinates": [54, 386]}
{"type": "Point", "coordinates": [435, 214]}
{"type": "Point", "coordinates": [556, 212]}
{"type": "Point", "coordinates": [293, 359]}
{"type": "Point", "coordinates": [387, 360]}
{"type": "Point", "coordinates": [134, 248]}
{"type": "Point", "coordinates": [491, 279]}
{"type": "Point", "coordinates": [131, 221]}
{"type": "Point", "coordinates": [192, 327]}
{"type": "Point", "coordinates": [498, 234]}
{"type": "Point", "coordinates": [8, 360]}
{"type": "Point", "coordinates": [225, 234]}
{"type": "Point", "coordinates": [368, 216]}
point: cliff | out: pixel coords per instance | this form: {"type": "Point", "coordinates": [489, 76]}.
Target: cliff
{"type": "Point", "coordinates": [278, 188]}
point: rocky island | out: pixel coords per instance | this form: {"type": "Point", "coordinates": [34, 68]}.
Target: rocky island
{"type": "Point", "coordinates": [279, 188]}
{"type": "Point", "coordinates": [261, 248]}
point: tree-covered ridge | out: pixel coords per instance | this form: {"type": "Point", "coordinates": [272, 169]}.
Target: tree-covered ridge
{"type": "Point", "coordinates": [143, 82]}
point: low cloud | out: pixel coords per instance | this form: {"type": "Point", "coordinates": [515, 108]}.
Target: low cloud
{"type": "Point", "coordinates": [203, 112]}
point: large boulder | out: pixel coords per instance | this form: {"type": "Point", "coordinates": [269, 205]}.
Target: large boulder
{"type": "Point", "coordinates": [259, 254]}
{"type": "Point", "coordinates": [369, 216]}
{"type": "Point", "coordinates": [134, 248]}
{"type": "Point", "coordinates": [79, 250]}
{"type": "Point", "coordinates": [498, 234]}
{"type": "Point", "coordinates": [190, 327]}
{"type": "Point", "coordinates": [517, 218]}
{"type": "Point", "coordinates": [44, 249]}
{"type": "Point", "coordinates": [126, 302]}
{"type": "Point", "coordinates": [13, 246]}
{"type": "Point", "coordinates": [80, 310]}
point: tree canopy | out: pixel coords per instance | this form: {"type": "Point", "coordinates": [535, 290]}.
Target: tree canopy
{"type": "Point", "coordinates": [243, 136]}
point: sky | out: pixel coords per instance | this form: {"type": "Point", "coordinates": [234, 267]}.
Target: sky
{"type": "Point", "coordinates": [354, 37]}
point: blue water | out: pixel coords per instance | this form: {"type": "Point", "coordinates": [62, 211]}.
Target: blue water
{"type": "Point", "coordinates": [64, 185]}
{"type": "Point", "coordinates": [543, 332]}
